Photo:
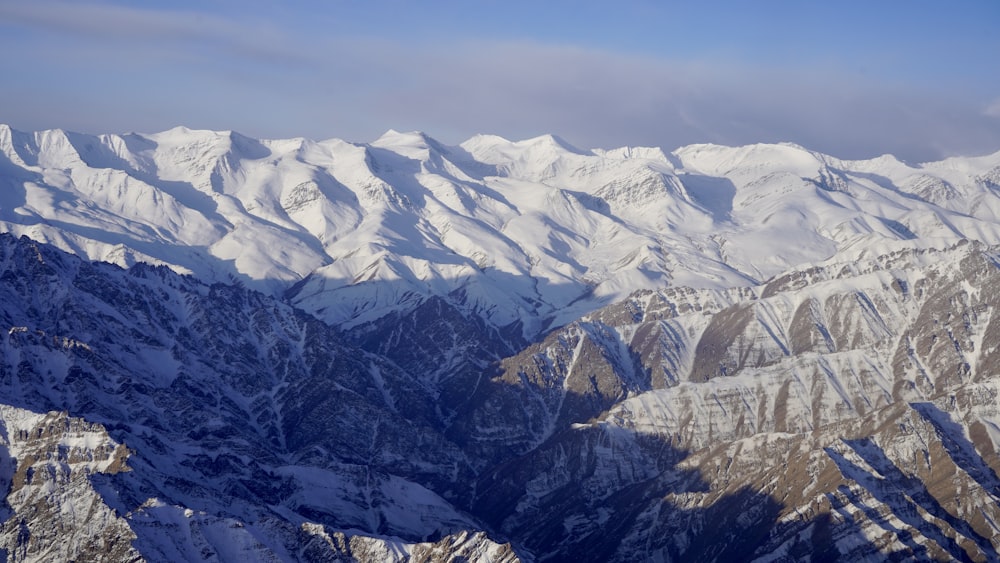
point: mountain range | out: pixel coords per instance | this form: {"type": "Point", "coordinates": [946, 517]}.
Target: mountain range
{"type": "Point", "coordinates": [223, 348]}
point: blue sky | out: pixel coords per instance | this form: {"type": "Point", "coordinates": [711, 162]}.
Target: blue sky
{"type": "Point", "coordinates": [853, 79]}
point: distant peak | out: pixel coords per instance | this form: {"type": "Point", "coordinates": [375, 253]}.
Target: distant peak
{"type": "Point", "coordinates": [54, 137]}
{"type": "Point", "coordinates": [179, 129]}
{"type": "Point", "coordinates": [182, 130]}
{"type": "Point", "coordinates": [484, 142]}
{"type": "Point", "coordinates": [792, 145]}
{"type": "Point", "coordinates": [409, 141]}
{"type": "Point", "coordinates": [55, 131]}
{"type": "Point", "coordinates": [489, 138]}
{"type": "Point", "coordinates": [554, 141]}
{"type": "Point", "coordinates": [880, 161]}
{"type": "Point", "coordinates": [626, 153]}
{"type": "Point", "coordinates": [185, 135]}
{"type": "Point", "coordinates": [395, 137]}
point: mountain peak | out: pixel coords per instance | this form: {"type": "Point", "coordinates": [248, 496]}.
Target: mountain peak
{"type": "Point", "coordinates": [392, 137]}
{"type": "Point", "coordinates": [185, 132]}
{"type": "Point", "coordinates": [720, 159]}
{"type": "Point", "coordinates": [554, 142]}
{"type": "Point", "coordinates": [181, 130]}
{"type": "Point", "coordinates": [628, 153]}
{"type": "Point", "coordinates": [414, 144]}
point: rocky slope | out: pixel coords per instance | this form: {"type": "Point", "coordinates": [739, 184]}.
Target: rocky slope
{"type": "Point", "coordinates": [254, 431]}
{"type": "Point", "coordinates": [852, 413]}
{"type": "Point", "coordinates": [52, 510]}
{"type": "Point", "coordinates": [847, 410]}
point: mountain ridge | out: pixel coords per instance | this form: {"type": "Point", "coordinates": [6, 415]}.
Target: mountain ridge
{"type": "Point", "coordinates": [325, 217]}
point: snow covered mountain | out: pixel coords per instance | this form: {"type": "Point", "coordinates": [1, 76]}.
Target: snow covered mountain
{"type": "Point", "coordinates": [532, 233]}
{"type": "Point", "coordinates": [494, 351]}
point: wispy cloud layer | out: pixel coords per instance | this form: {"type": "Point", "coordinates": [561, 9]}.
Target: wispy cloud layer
{"type": "Point", "coordinates": [993, 109]}
{"type": "Point", "coordinates": [143, 28]}
{"type": "Point", "coordinates": [603, 99]}
{"type": "Point", "coordinates": [103, 67]}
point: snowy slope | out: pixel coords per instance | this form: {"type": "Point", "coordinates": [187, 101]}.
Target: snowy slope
{"type": "Point", "coordinates": [534, 231]}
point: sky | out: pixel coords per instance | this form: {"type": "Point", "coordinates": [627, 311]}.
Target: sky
{"type": "Point", "coordinates": [854, 79]}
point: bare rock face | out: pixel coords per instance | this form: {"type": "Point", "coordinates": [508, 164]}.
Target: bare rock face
{"type": "Point", "coordinates": [847, 410]}
{"type": "Point", "coordinates": [53, 512]}
{"type": "Point", "coordinates": [904, 482]}
{"type": "Point", "coordinates": [316, 544]}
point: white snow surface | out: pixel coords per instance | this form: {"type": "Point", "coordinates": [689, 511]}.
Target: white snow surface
{"type": "Point", "coordinates": [533, 230]}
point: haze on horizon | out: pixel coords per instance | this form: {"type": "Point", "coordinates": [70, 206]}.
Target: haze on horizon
{"type": "Point", "coordinates": [851, 79]}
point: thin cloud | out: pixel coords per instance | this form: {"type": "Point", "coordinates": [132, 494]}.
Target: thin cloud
{"type": "Point", "coordinates": [104, 23]}
{"type": "Point", "coordinates": [993, 110]}
{"type": "Point", "coordinates": [597, 98]}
